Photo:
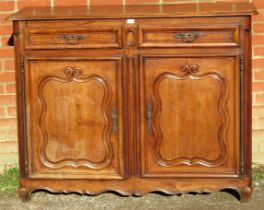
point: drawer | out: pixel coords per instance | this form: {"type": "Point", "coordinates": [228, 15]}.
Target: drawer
{"type": "Point", "coordinates": [73, 34]}
{"type": "Point", "coordinates": [201, 36]}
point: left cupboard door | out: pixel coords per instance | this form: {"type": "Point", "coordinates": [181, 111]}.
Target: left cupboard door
{"type": "Point", "coordinates": [74, 121]}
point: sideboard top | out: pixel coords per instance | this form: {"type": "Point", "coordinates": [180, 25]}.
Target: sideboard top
{"type": "Point", "coordinates": [135, 11]}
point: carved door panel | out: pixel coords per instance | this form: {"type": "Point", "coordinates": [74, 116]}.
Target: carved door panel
{"type": "Point", "coordinates": [74, 120]}
{"type": "Point", "coordinates": [189, 107]}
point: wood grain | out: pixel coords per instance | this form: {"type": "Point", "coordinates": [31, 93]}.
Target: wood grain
{"type": "Point", "coordinates": [72, 117]}
{"type": "Point", "coordinates": [73, 34]}
{"type": "Point", "coordinates": [136, 11]}
{"type": "Point", "coordinates": [192, 121]}
{"type": "Point", "coordinates": [188, 36]}
{"type": "Point", "coordinates": [158, 103]}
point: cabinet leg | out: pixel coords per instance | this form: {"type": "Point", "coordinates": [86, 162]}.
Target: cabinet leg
{"type": "Point", "coordinates": [245, 194]}
{"type": "Point", "coordinates": [24, 194]}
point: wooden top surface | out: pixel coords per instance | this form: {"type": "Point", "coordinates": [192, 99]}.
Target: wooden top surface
{"type": "Point", "coordinates": [135, 11]}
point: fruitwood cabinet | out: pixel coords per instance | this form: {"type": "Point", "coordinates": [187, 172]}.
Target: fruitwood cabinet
{"type": "Point", "coordinates": [134, 99]}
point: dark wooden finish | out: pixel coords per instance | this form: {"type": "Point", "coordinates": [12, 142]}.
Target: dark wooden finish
{"type": "Point", "coordinates": [134, 100]}
{"type": "Point", "coordinates": [72, 34]}
{"type": "Point", "coordinates": [200, 99]}
{"type": "Point", "coordinates": [187, 36]}
{"type": "Point", "coordinates": [136, 11]}
{"type": "Point", "coordinates": [81, 129]}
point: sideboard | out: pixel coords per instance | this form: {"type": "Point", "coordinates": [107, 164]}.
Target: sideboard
{"type": "Point", "coordinates": [134, 99]}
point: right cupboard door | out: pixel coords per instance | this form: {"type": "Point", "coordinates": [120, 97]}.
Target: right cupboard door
{"type": "Point", "coordinates": [190, 114]}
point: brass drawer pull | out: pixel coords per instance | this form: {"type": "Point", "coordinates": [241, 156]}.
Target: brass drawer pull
{"type": "Point", "coordinates": [189, 37]}
{"type": "Point", "coordinates": [73, 39]}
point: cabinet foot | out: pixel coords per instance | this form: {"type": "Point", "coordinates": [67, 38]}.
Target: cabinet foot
{"type": "Point", "coordinates": [245, 194]}
{"type": "Point", "coordinates": [24, 194]}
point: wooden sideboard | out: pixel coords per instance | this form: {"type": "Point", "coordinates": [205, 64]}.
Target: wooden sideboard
{"type": "Point", "coordinates": [134, 99]}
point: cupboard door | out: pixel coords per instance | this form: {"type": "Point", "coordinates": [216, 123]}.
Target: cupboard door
{"type": "Point", "coordinates": [189, 116]}
{"type": "Point", "coordinates": [74, 118]}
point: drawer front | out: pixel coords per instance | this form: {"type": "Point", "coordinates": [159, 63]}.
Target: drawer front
{"type": "Point", "coordinates": [73, 34]}
{"type": "Point", "coordinates": [170, 36]}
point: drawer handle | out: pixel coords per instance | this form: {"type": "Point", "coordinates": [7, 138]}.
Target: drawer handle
{"type": "Point", "coordinates": [73, 39]}
{"type": "Point", "coordinates": [189, 37]}
{"type": "Point", "coordinates": [114, 119]}
{"type": "Point", "coordinates": [149, 117]}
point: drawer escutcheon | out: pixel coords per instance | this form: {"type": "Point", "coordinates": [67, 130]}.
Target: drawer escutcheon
{"type": "Point", "coordinates": [189, 37]}
{"type": "Point", "coordinates": [73, 39]}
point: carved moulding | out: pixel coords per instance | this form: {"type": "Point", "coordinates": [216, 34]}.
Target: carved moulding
{"type": "Point", "coordinates": [75, 75]}
{"type": "Point", "coordinates": [190, 73]}
{"type": "Point", "coordinates": [244, 192]}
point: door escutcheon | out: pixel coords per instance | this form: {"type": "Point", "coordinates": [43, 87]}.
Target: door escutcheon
{"type": "Point", "coordinates": [114, 119]}
{"type": "Point", "coordinates": [149, 116]}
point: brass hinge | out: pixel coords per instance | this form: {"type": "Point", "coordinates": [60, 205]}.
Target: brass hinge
{"type": "Point", "coordinates": [242, 63]}
{"type": "Point", "coordinates": [22, 69]}
{"type": "Point", "coordinates": [22, 66]}
{"type": "Point", "coordinates": [242, 168]}
{"type": "Point", "coordinates": [26, 167]}
{"type": "Point", "coordinates": [242, 68]}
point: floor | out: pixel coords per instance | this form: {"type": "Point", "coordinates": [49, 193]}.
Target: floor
{"type": "Point", "coordinates": [110, 201]}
